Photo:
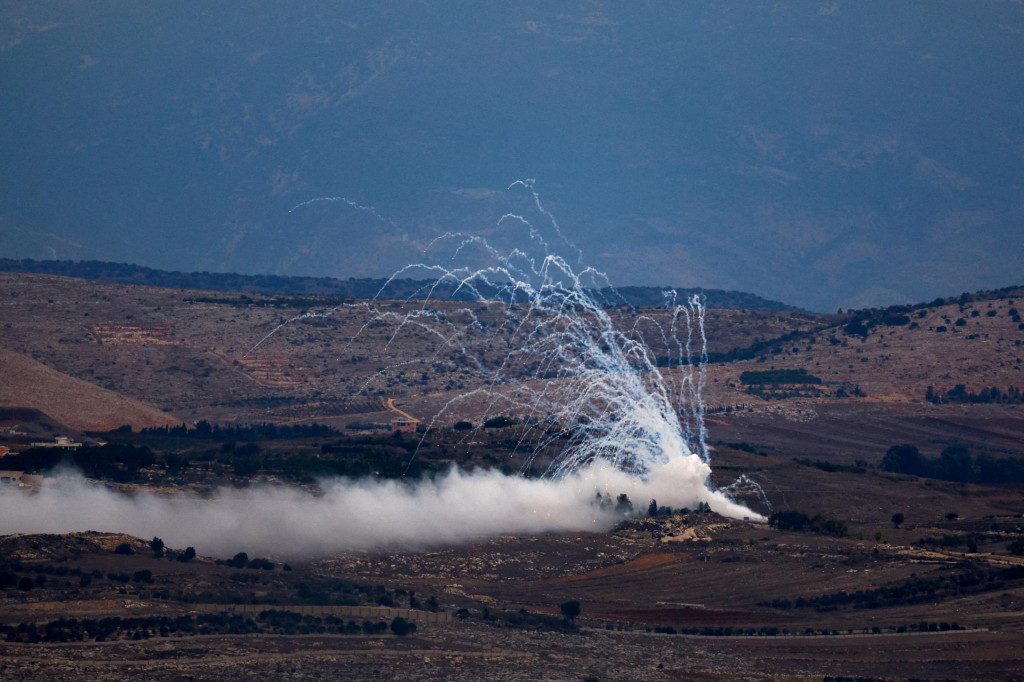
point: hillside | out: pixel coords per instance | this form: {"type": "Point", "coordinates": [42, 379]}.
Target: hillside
{"type": "Point", "coordinates": [75, 403]}
{"type": "Point", "coordinates": [192, 353]}
{"type": "Point", "coordinates": [237, 358]}
{"type": "Point", "coordinates": [875, 379]}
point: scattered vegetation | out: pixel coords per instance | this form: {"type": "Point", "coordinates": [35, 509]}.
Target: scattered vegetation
{"type": "Point", "coordinates": [798, 521]}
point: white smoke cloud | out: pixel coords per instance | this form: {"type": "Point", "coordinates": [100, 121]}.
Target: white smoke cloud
{"type": "Point", "coordinates": [358, 514]}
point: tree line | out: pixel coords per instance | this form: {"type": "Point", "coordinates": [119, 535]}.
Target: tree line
{"type": "Point", "coordinates": [960, 394]}
{"type": "Point", "coordinates": [145, 627]}
{"type": "Point", "coordinates": [204, 430]}
{"type": "Point", "coordinates": [954, 464]}
{"type": "Point", "coordinates": [124, 273]}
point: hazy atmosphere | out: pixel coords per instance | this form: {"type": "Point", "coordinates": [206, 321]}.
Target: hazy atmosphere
{"type": "Point", "coordinates": [823, 154]}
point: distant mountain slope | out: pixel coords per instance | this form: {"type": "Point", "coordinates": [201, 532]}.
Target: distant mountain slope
{"type": "Point", "coordinates": [76, 403]}
{"type": "Point", "coordinates": [824, 153]}
{"type": "Point", "coordinates": [276, 285]}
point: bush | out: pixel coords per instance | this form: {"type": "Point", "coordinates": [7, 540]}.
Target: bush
{"type": "Point", "coordinates": [240, 560]}
{"type": "Point", "coordinates": [499, 422]}
{"type": "Point", "coordinates": [124, 548]}
{"type": "Point", "coordinates": [401, 627]}
{"type": "Point", "coordinates": [798, 521]}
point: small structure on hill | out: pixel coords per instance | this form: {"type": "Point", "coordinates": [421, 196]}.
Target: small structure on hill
{"type": "Point", "coordinates": [403, 425]}
{"type": "Point", "coordinates": [404, 422]}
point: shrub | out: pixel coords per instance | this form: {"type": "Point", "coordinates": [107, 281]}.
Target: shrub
{"type": "Point", "coordinates": [570, 609]}
{"type": "Point", "coordinates": [1017, 546]}
{"type": "Point", "coordinates": [401, 627]}
{"type": "Point", "coordinates": [499, 422]}
{"type": "Point", "coordinates": [240, 560]}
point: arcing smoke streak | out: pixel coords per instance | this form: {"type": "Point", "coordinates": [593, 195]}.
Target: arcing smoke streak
{"type": "Point", "coordinates": [368, 209]}
{"type": "Point", "coordinates": [530, 185]}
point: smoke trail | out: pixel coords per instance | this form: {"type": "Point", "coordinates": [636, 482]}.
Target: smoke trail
{"type": "Point", "coordinates": [366, 209]}
{"type": "Point", "coordinates": [356, 514]}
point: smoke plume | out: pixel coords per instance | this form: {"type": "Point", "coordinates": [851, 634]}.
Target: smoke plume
{"type": "Point", "coordinates": [353, 515]}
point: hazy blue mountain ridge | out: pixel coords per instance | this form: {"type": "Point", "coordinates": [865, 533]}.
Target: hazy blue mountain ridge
{"type": "Point", "coordinates": [824, 154]}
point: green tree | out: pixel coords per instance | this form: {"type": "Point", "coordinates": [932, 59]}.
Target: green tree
{"type": "Point", "coordinates": [904, 459]}
{"type": "Point", "coordinates": [157, 545]}
{"type": "Point", "coordinates": [570, 610]}
{"type": "Point", "coordinates": [955, 464]}
{"type": "Point", "coordinates": [499, 422]}
{"type": "Point", "coordinates": [652, 508]}
{"type": "Point", "coordinates": [897, 519]}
